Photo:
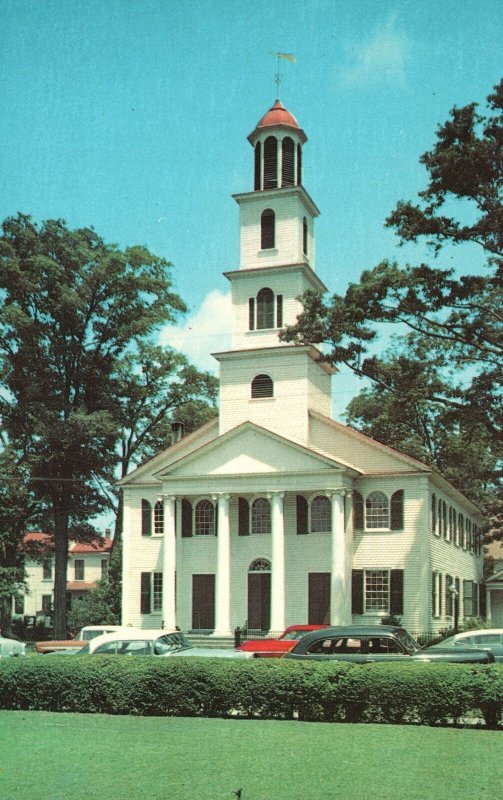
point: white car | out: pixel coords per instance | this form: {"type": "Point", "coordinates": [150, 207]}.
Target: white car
{"type": "Point", "coordinates": [139, 642]}
{"type": "Point", "coordinates": [69, 646]}
{"type": "Point", "coordinates": [11, 647]}
{"type": "Point", "coordinates": [485, 639]}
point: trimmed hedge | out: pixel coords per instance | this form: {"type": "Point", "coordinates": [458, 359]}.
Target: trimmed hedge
{"type": "Point", "coordinates": [428, 694]}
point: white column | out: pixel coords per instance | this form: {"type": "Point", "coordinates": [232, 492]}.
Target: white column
{"type": "Point", "coordinates": [169, 564]}
{"type": "Point", "coordinates": [489, 614]}
{"type": "Point", "coordinates": [342, 557]}
{"type": "Point", "coordinates": [223, 581]}
{"type": "Point", "coordinates": [277, 563]}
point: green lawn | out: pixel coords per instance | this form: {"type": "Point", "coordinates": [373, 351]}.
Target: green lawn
{"type": "Point", "coordinates": [47, 756]}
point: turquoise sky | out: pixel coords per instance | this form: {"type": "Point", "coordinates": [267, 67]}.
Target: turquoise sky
{"type": "Point", "coordinates": [132, 116]}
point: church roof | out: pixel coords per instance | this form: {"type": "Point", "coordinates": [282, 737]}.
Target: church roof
{"type": "Point", "coordinates": [277, 116]}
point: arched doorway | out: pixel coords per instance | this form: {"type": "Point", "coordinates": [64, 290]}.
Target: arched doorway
{"type": "Point", "coordinates": [259, 594]}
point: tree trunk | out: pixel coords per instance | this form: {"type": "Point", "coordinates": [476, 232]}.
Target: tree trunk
{"type": "Point", "coordinates": [60, 570]}
{"type": "Point", "coordinates": [6, 615]}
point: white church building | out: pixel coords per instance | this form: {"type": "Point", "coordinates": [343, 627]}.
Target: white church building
{"type": "Point", "coordinates": [273, 513]}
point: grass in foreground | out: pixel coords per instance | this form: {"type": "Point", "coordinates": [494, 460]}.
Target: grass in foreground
{"type": "Point", "coordinates": [47, 756]}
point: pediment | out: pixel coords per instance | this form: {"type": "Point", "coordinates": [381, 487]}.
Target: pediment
{"type": "Point", "coordinates": [247, 450]}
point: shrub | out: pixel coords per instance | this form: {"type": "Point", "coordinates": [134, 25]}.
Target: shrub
{"type": "Point", "coordinates": [430, 694]}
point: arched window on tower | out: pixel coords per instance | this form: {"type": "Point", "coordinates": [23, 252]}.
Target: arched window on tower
{"type": "Point", "coordinates": [257, 166]}
{"type": "Point", "coordinates": [304, 236]}
{"type": "Point", "coordinates": [265, 309]}
{"type": "Point", "coordinates": [299, 165]}
{"type": "Point", "coordinates": [262, 386]}
{"type": "Point", "coordinates": [270, 163]}
{"type": "Point", "coordinates": [287, 164]}
{"type": "Point", "coordinates": [267, 229]}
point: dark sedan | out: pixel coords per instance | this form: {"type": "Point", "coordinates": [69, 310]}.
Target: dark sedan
{"type": "Point", "coordinates": [376, 643]}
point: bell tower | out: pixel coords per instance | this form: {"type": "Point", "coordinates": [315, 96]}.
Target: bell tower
{"type": "Point", "coordinates": [262, 379]}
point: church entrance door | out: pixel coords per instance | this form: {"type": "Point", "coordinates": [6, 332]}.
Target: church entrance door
{"type": "Point", "coordinates": [319, 598]}
{"type": "Point", "coordinates": [203, 602]}
{"type": "Point", "coordinates": [259, 600]}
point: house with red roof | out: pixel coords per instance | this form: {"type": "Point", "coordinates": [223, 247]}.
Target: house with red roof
{"type": "Point", "coordinates": [87, 563]}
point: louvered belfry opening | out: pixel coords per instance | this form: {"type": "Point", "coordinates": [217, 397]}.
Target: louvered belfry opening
{"type": "Point", "coordinates": [287, 164]}
{"type": "Point", "coordinates": [270, 163]}
{"type": "Point", "coordinates": [299, 165]}
{"type": "Point", "coordinates": [258, 164]}
{"type": "Point", "coordinates": [262, 386]}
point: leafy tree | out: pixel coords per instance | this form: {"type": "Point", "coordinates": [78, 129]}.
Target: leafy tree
{"type": "Point", "coordinates": [102, 605]}
{"type": "Point", "coordinates": [16, 508]}
{"type": "Point", "coordinates": [71, 309]}
{"type": "Point", "coordinates": [164, 389]}
{"type": "Point", "coordinates": [437, 393]}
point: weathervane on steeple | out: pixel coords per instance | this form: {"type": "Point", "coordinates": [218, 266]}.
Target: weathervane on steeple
{"type": "Point", "coordinates": [277, 80]}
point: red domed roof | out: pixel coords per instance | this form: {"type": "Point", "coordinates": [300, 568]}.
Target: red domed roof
{"type": "Point", "coordinates": [278, 115]}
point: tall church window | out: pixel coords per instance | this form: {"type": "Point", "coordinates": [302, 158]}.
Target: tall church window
{"type": "Point", "coordinates": [304, 236]}
{"type": "Point", "coordinates": [299, 165]}
{"type": "Point", "coordinates": [257, 166]}
{"type": "Point", "coordinates": [321, 515]}
{"type": "Point", "coordinates": [262, 386]}
{"type": "Point", "coordinates": [204, 519]}
{"type": "Point", "coordinates": [270, 163]}
{"type": "Point", "coordinates": [287, 166]}
{"type": "Point", "coordinates": [267, 229]}
{"type": "Point", "coordinates": [261, 516]}
{"type": "Point", "coordinates": [265, 309]}
{"type": "Point", "coordinates": [377, 510]}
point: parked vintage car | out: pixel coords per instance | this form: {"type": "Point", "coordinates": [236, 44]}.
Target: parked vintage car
{"type": "Point", "coordinates": [376, 643]}
{"type": "Point", "coordinates": [140, 642]}
{"type": "Point", "coordinates": [10, 648]}
{"type": "Point", "coordinates": [85, 634]}
{"type": "Point", "coordinates": [490, 639]}
{"type": "Point", "coordinates": [275, 648]}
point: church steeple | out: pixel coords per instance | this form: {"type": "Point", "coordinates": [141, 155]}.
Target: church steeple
{"type": "Point", "coordinates": [263, 379]}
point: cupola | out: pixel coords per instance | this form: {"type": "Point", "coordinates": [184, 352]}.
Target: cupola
{"type": "Point", "coordinates": [277, 141]}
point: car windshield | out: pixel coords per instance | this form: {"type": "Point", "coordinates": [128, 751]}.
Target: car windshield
{"type": "Point", "coordinates": [293, 635]}
{"type": "Point", "coordinates": [408, 642]}
{"type": "Point", "coordinates": [171, 642]}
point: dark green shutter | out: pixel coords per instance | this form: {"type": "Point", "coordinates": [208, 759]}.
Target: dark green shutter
{"type": "Point", "coordinates": [243, 517]}
{"type": "Point", "coordinates": [301, 514]}
{"type": "Point", "coordinates": [145, 593]}
{"type": "Point", "coordinates": [396, 592]}
{"type": "Point", "coordinates": [357, 591]}
{"type": "Point", "coordinates": [251, 313]}
{"type": "Point", "coordinates": [279, 311]}
{"type": "Point", "coordinates": [215, 518]}
{"type": "Point", "coordinates": [186, 518]}
{"type": "Point", "coordinates": [146, 518]}
{"type": "Point", "coordinates": [397, 510]}
{"type": "Point", "coordinates": [482, 600]}
{"type": "Point", "coordinates": [357, 511]}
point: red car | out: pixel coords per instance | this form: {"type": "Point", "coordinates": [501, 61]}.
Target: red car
{"type": "Point", "coordinates": [275, 648]}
